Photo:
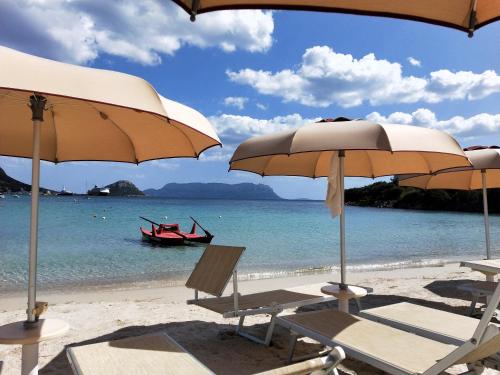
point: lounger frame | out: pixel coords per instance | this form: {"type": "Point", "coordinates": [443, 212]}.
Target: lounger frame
{"type": "Point", "coordinates": [272, 310]}
{"type": "Point", "coordinates": [483, 333]}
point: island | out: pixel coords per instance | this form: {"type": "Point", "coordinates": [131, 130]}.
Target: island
{"type": "Point", "coordinates": [391, 195]}
{"type": "Point", "coordinates": [242, 191]}
{"type": "Point", "coordinates": [123, 188]}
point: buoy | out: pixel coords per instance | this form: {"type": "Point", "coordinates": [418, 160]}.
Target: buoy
{"type": "Point", "coordinates": [104, 217]}
{"type": "Point", "coordinates": [166, 217]}
{"type": "Point", "coordinates": [220, 216]}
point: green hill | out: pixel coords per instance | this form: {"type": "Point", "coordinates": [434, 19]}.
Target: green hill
{"type": "Point", "coordinates": [389, 194]}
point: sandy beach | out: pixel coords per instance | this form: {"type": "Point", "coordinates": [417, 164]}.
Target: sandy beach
{"type": "Point", "coordinates": [129, 310]}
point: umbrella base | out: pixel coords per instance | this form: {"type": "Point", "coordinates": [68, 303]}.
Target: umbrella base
{"type": "Point", "coordinates": [18, 334]}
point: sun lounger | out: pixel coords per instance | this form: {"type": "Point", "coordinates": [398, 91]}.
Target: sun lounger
{"type": "Point", "coordinates": [394, 350]}
{"type": "Point", "coordinates": [159, 354]}
{"type": "Point", "coordinates": [424, 321]}
{"type": "Point", "coordinates": [212, 274]}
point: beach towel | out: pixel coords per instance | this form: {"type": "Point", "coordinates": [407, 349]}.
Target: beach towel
{"type": "Point", "coordinates": [333, 193]}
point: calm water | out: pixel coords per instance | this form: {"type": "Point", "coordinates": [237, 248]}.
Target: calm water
{"type": "Point", "coordinates": [78, 247]}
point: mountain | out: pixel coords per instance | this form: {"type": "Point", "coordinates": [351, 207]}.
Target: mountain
{"type": "Point", "coordinates": [215, 191]}
{"type": "Point", "coordinates": [123, 187]}
{"type": "Point", "coordinates": [390, 194]}
{"type": "Point", "coordinates": [7, 183]}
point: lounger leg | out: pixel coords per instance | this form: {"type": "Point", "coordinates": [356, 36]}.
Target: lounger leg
{"type": "Point", "coordinates": [240, 324]}
{"type": "Point", "coordinates": [472, 307]}
{"type": "Point", "coordinates": [358, 304]}
{"type": "Point", "coordinates": [291, 348]}
{"type": "Point", "coordinates": [269, 334]}
{"type": "Point", "coordinates": [270, 330]}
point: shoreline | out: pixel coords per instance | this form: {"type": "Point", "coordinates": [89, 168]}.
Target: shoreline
{"type": "Point", "coordinates": [179, 278]}
{"type": "Point", "coordinates": [128, 290]}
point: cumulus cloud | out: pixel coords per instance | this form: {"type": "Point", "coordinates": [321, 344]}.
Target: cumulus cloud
{"type": "Point", "coordinates": [413, 61]}
{"type": "Point", "coordinates": [477, 125]}
{"type": "Point", "coordinates": [325, 77]}
{"type": "Point", "coordinates": [261, 106]}
{"type": "Point", "coordinates": [79, 31]}
{"type": "Point", "coordinates": [234, 129]}
{"type": "Point", "coordinates": [235, 101]}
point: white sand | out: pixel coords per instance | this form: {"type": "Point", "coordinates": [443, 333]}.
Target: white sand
{"type": "Point", "coordinates": [112, 313]}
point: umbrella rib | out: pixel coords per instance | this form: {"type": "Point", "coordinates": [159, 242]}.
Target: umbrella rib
{"type": "Point", "coordinates": [429, 168]}
{"type": "Point", "coordinates": [371, 163]}
{"type": "Point", "coordinates": [55, 131]}
{"type": "Point", "coordinates": [167, 119]}
{"type": "Point", "coordinates": [316, 164]}
{"type": "Point", "coordinates": [119, 129]}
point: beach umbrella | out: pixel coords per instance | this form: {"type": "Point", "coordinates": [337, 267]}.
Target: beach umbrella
{"type": "Point", "coordinates": [465, 15]}
{"type": "Point", "coordinates": [483, 174]}
{"type": "Point", "coordinates": [341, 148]}
{"type": "Point", "coordinates": [59, 112]}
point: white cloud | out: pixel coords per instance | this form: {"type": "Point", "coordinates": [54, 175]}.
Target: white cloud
{"type": "Point", "coordinates": [235, 101]}
{"type": "Point", "coordinates": [79, 31]}
{"type": "Point", "coordinates": [413, 61]}
{"type": "Point", "coordinates": [477, 125]}
{"type": "Point", "coordinates": [326, 77]}
{"type": "Point", "coordinates": [234, 129]}
{"type": "Point", "coordinates": [261, 106]}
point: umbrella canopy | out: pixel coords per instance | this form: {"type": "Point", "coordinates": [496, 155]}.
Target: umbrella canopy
{"type": "Point", "coordinates": [483, 174]}
{"type": "Point", "coordinates": [364, 149]}
{"type": "Point", "coordinates": [371, 150]}
{"type": "Point", "coordinates": [93, 114]}
{"type": "Point", "coordinates": [60, 112]}
{"type": "Point", "coordinates": [465, 15]}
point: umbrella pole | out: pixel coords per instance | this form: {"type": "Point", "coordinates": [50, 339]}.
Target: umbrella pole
{"type": "Point", "coordinates": [342, 295]}
{"type": "Point", "coordinates": [486, 216]}
{"type": "Point", "coordinates": [343, 284]}
{"type": "Point", "coordinates": [30, 352]}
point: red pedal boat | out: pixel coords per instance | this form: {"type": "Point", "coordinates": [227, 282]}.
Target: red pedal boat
{"type": "Point", "coordinates": [171, 234]}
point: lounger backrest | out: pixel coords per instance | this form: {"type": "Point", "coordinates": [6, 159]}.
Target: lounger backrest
{"type": "Point", "coordinates": [214, 269]}
{"type": "Point", "coordinates": [487, 334]}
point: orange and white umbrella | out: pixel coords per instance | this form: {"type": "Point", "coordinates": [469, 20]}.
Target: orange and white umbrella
{"type": "Point", "coordinates": [356, 148]}
{"type": "Point", "coordinates": [59, 112]}
{"type": "Point", "coordinates": [465, 15]}
{"type": "Point", "coordinates": [483, 174]}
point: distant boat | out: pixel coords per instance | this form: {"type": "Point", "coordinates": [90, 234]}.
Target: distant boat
{"type": "Point", "coordinates": [98, 191]}
{"type": "Point", "coordinates": [2, 196]}
{"type": "Point", "coordinates": [16, 196]}
{"type": "Point", "coordinates": [65, 192]}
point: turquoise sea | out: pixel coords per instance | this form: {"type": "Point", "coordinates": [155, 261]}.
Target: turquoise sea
{"type": "Point", "coordinates": [85, 242]}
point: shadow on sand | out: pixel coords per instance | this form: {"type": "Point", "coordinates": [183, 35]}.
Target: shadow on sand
{"type": "Point", "coordinates": [214, 344]}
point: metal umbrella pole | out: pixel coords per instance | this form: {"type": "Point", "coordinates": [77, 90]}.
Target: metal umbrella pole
{"type": "Point", "coordinates": [30, 352]}
{"type": "Point", "coordinates": [343, 284]}
{"type": "Point", "coordinates": [486, 217]}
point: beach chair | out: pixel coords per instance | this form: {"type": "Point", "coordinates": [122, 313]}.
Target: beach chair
{"type": "Point", "coordinates": [159, 354]}
{"type": "Point", "coordinates": [393, 350]}
{"type": "Point", "coordinates": [212, 274]}
{"type": "Point", "coordinates": [435, 324]}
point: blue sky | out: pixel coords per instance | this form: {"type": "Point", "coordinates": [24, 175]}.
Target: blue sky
{"type": "Point", "coordinates": [254, 72]}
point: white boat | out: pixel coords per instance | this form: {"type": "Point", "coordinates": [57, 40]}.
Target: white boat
{"type": "Point", "coordinates": [2, 196]}
{"type": "Point", "coordinates": [65, 192]}
{"type": "Point", "coordinates": [98, 191]}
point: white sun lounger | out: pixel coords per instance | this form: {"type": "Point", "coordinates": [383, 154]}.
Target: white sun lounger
{"type": "Point", "coordinates": [428, 322]}
{"type": "Point", "coordinates": [211, 276]}
{"type": "Point", "coordinates": [159, 354]}
{"type": "Point", "coordinates": [394, 350]}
